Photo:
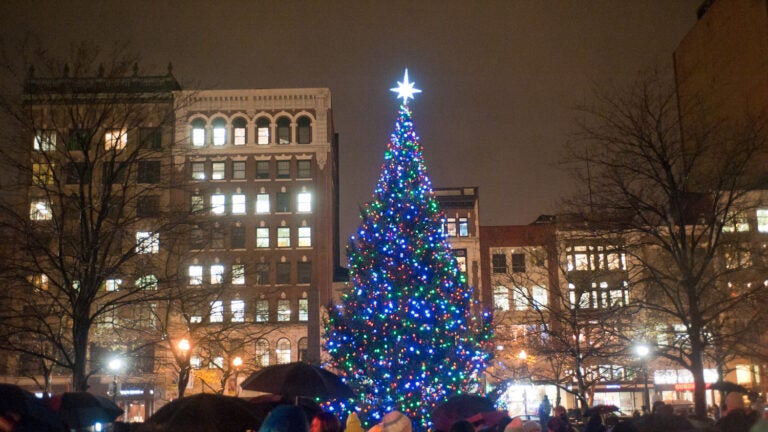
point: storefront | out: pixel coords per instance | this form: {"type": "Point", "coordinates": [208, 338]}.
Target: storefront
{"type": "Point", "coordinates": [137, 402]}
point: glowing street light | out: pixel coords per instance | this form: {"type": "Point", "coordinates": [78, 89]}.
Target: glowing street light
{"type": "Point", "coordinates": [643, 351]}
{"type": "Point", "coordinates": [115, 365]}
{"type": "Point", "coordinates": [184, 365]}
{"type": "Point", "coordinates": [237, 362]}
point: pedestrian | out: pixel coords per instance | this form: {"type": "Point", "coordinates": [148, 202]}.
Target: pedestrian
{"type": "Point", "coordinates": [735, 418]}
{"type": "Point", "coordinates": [561, 413]}
{"type": "Point", "coordinates": [462, 426]}
{"type": "Point", "coordinates": [545, 407]}
{"type": "Point", "coordinates": [285, 418]}
{"type": "Point", "coordinates": [353, 423]}
{"type": "Point", "coordinates": [595, 423]}
{"type": "Point", "coordinates": [325, 422]}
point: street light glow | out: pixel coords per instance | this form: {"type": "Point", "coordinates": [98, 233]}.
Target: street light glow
{"type": "Point", "coordinates": [115, 364]}
{"type": "Point", "coordinates": [184, 345]}
{"type": "Point", "coordinates": [237, 362]}
{"type": "Point", "coordinates": [642, 350]}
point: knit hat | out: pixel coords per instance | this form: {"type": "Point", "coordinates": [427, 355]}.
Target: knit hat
{"type": "Point", "coordinates": [353, 423]}
{"type": "Point", "coordinates": [395, 421]}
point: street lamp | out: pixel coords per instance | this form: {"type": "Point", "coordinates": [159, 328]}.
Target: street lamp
{"type": "Point", "coordinates": [237, 362]}
{"type": "Point", "coordinates": [115, 365]}
{"type": "Point", "coordinates": [184, 366]}
{"type": "Point", "coordinates": [643, 351]}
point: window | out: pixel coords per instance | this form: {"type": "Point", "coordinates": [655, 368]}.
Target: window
{"type": "Point", "coordinates": [450, 227]}
{"type": "Point", "coordinates": [520, 298]}
{"type": "Point", "coordinates": [283, 310]}
{"type": "Point", "coordinates": [304, 271]}
{"type": "Point", "coordinates": [283, 201]}
{"type": "Point", "coordinates": [283, 237]}
{"type": "Point", "coordinates": [115, 140]}
{"type": "Point", "coordinates": [147, 242]}
{"type": "Point", "coordinates": [144, 316]}
{"type": "Point", "coordinates": [501, 298]}
{"type": "Point", "coordinates": [198, 133]}
{"type": "Point", "coordinates": [79, 139]}
{"type": "Point", "coordinates": [112, 284]}
{"type": "Point", "coordinates": [304, 202]}
{"type": "Point", "coordinates": [262, 237]}
{"type": "Point", "coordinates": [499, 263]}
{"type": "Point", "coordinates": [237, 237]}
{"type": "Point", "coordinates": [736, 222]}
{"type": "Point", "coordinates": [238, 170]}
{"type": "Point", "coordinates": [151, 138]}
{"type": "Point", "coordinates": [198, 170]}
{"type": "Point", "coordinates": [78, 173]}
{"type": "Point", "coordinates": [148, 206]}
{"type": "Point", "coordinates": [283, 273]}
{"type": "Point", "coordinates": [237, 308]}
{"type": "Point", "coordinates": [218, 204]}
{"type": "Point", "coordinates": [303, 309]}
{"type": "Point", "coordinates": [518, 263]}
{"type": "Point", "coordinates": [283, 351]}
{"type": "Point", "coordinates": [262, 203]}
{"type": "Point", "coordinates": [305, 237]}
{"type": "Point", "coordinates": [238, 204]}
{"type": "Point", "coordinates": [45, 141]}
{"type": "Point", "coordinates": [197, 204]}
{"type": "Point", "coordinates": [217, 311]}
{"type": "Point", "coordinates": [217, 274]}
{"type": "Point", "coordinates": [149, 172]}
{"type": "Point", "coordinates": [147, 283]}
{"type": "Point", "coordinates": [239, 131]}
{"type": "Point", "coordinates": [303, 169]}
{"type": "Point", "coordinates": [303, 130]}
{"type": "Point", "coordinates": [218, 171]}
{"type": "Point", "coordinates": [196, 238]}
{"type": "Point", "coordinates": [463, 227]}
{"type": "Point", "coordinates": [42, 174]}
{"type": "Point", "coordinates": [113, 172]}
{"type": "Point", "coordinates": [195, 275]}
{"type": "Point", "coordinates": [262, 131]}
{"type": "Point", "coordinates": [461, 259]}
{"type": "Point", "coordinates": [762, 220]}
{"type": "Point", "coordinates": [219, 132]}
{"type": "Point", "coordinates": [262, 310]}
{"type": "Point", "coordinates": [262, 169]}
{"type": "Point", "coordinates": [39, 281]}
{"type": "Point", "coordinates": [238, 274]}
{"type": "Point", "coordinates": [217, 238]}
{"type": "Point", "coordinates": [283, 169]}
{"type": "Point", "coordinates": [283, 130]}
{"type": "Point", "coordinates": [262, 274]}
{"type": "Point", "coordinates": [262, 353]}
{"type": "Point", "coordinates": [40, 209]}
{"type": "Point", "coordinates": [578, 258]}
{"type": "Point", "coordinates": [539, 295]}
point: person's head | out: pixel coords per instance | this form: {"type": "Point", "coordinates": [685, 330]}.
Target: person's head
{"type": "Point", "coordinates": [656, 406]}
{"type": "Point", "coordinates": [394, 421]}
{"type": "Point", "coordinates": [556, 424]}
{"type": "Point", "coordinates": [503, 422]}
{"type": "Point", "coordinates": [285, 418]}
{"type": "Point", "coordinates": [595, 419]}
{"type": "Point", "coordinates": [462, 426]}
{"type": "Point", "coordinates": [560, 411]}
{"type": "Point", "coordinates": [325, 422]}
{"type": "Point", "coordinates": [734, 401]}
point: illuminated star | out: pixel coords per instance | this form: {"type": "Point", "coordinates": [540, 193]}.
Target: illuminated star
{"type": "Point", "coordinates": [405, 88]}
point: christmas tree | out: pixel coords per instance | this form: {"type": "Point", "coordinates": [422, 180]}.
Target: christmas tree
{"type": "Point", "coordinates": [404, 335]}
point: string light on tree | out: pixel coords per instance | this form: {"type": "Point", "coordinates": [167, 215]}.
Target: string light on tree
{"type": "Point", "coordinates": [403, 335]}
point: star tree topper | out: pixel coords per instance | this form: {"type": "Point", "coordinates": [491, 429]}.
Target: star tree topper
{"type": "Point", "coordinates": [405, 88]}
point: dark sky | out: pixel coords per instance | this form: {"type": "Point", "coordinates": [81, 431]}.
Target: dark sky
{"type": "Point", "coordinates": [499, 78]}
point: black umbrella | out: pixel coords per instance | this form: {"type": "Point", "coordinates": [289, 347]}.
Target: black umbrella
{"type": "Point", "coordinates": [299, 379]}
{"type": "Point", "coordinates": [460, 407]}
{"type": "Point", "coordinates": [727, 387]}
{"type": "Point", "coordinates": [206, 412]}
{"type": "Point", "coordinates": [82, 409]}
{"type": "Point", "coordinates": [30, 413]}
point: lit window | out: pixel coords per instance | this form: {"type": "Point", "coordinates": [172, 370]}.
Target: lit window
{"type": "Point", "coordinates": [303, 130]}
{"type": "Point", "coordinates": [42, 174]}
{"type": "Point", "coordinates": [116, 140]}
{"type": "Point", "coordinates": [262, 311]}
{"type": "Point", "coordinates": [262, 131]}
{"type": "Point", "coordinates": [450, 227]}
{"type": "Point", "coordinates": [217, 274]}
{"type": "Point", "coordinates": [45, 141]}
{"type": "Point", "coordinates": [239, 132]}
{"type": "Point", "coordinates": [39, 281]}
{"type": "Point", "coordinates": [283, 237]}
{"type": "Point", "coordinates": [198, 170]}
{"type": "Point", "coordinates": [219, 132]}
{"type": "Point", "coordinates": [762, 220]}
{"type": "Point", "coordinates": [238, 170]}
{"type": "Point", "coordinates": [463, 227]}
{"type": "Point", "coordinates": [198, 133]}
{"type": "Point", "coordinates": [196, 203]}
{"type": "Point", "coordinates": [238, 204]}
{"type": "Point", "coordinates": [303, 310]}
{"type": "Point", "coordinates": [147, 283]}
{"type": "Point", "coordinates": [262, 352]}
{"type": "Point", "coordinates": [238, 274]}
{"type": "Point", "coordinates": [217, 204]}
{"type": "Point", "coordinates": [305, 236]}
{"type": "Point", "coordinates": [195, 275]}
{"type": "Point", "coordinates": [304, 202]}
{"type": "Point", "coordinates": [262, 237]}
{"type": "Point", "coordinates": [461, 259]}
{"type": "Point", "coordinates": [283, 351]}
{"type": "Point", "coordinates": [303, 169]}
{"type": "Point", "coordinates": [501, 298]}
{"type": "Point", "coordinates": [40, 210]}
{"type": "Point", "coordinates": [237, 307]}
{"type": "Point", "coordinates": [283, 169]}
{"type": "Point", "coordinates": [147, 242]}
{"type": "Point", "coordinates": [218, 171]}
{"type": "Point", "coordinates": [736, 222]}
{"type": "Point", "coordinates": [112, 284]}
{"type": "Point", "coordinates": [539, 296]}
{"type": "Point", "coordinates": [283, 310]}
{"type": "Point", "coordinates": [283, 131]}
{"type": "Point", "coordinates": [217, 311]}
{"type": "Point", "coordinates": [196, 319]}
{"type": "Point", "coordinates": [262, 203]}
{"type": "Point", "coordinates": [520, 297]}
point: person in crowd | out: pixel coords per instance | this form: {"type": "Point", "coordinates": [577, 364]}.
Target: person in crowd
{"type": "Point", "coordinates": [353, 423]}
{"type": "Point", "coordinates": [462, 426]}
{"type": "Point", "coordinates": [561, 413]}
{"type": "Point", "coordinates": [502, 424]}
{"type": "Point", "coordinates": [556, 424]}
{"type": "Point", "coordinates": [394, 421]}
{"type": "Point", "coordinates": [595, 424]}
{"type": "Point", "coordinates": [545, 408]}
{"type": "Point", "coordinates": [735, 417]}
{"type": "Point", "coordinates": [285, 418]}
{"type": "Point", "coordinates": [325, 422]}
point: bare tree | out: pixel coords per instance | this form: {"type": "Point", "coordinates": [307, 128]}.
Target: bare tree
{"type": "Point", "coordinates": [676, 197]}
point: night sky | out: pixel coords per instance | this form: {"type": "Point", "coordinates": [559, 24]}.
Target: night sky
{"type": "Point", "coordinates": [499, 78]}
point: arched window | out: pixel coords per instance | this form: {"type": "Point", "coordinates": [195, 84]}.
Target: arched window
{"type": "Point", "coordinates": [262, 131]}
{"type": "Point", "coordinates": [283, 130]}
{"type": "Point", "coordinates": [219, 132]}
{"type": "Point", "coordinates": [501, 298]}
{"type": "Point", "coordinates": [302, 349]}
{"type": "Point", "coordinates": [262, 352]}
{"type": "Point", "coordinates": [303, 130]}
{"type": "Point", "coordinates": [239, 132]}
{"type": "Point", "coordinates": [283, 351]}
{"type": "Point", "coordinates": [198, 133]}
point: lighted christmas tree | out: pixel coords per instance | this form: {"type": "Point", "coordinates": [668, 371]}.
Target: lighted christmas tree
{"type": "Point", "coordinates": [404, 335]}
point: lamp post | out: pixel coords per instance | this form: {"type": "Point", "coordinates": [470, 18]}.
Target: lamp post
{"type": "Point", "coordinates": [184, 366]}
{"type": "Point", "coordinates": [643, 351]}
{"type": "Point", "coordinates": [237, 362]}
{"type": "Point", "coordinates": [115, 365]}
{"type": "Point", "coordinates": [523, 356]}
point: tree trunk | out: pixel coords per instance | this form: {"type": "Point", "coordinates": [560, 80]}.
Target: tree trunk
{"type": "Point", "coordinates": [183, 379]}
{"type": "Point", "coordinates": [80, 346]}
{"type": "Point", "coordinates": [697, 369]}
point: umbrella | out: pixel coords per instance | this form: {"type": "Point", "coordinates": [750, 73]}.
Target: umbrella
{"type": "Point", "coordinates": [727, 387]}
{"type": "Point", "coordinates": [206, 412]}
{"type": "Point", "coordinates": [601, 409]}
{"type": "Point", "coordinates": [32, 413]}
{"type": "Point", "coordinates": [459, 407]}
{"type": "Point", "coordinates": [82, 409]}
{"type": "Point", "coordinates": [298, 379]}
